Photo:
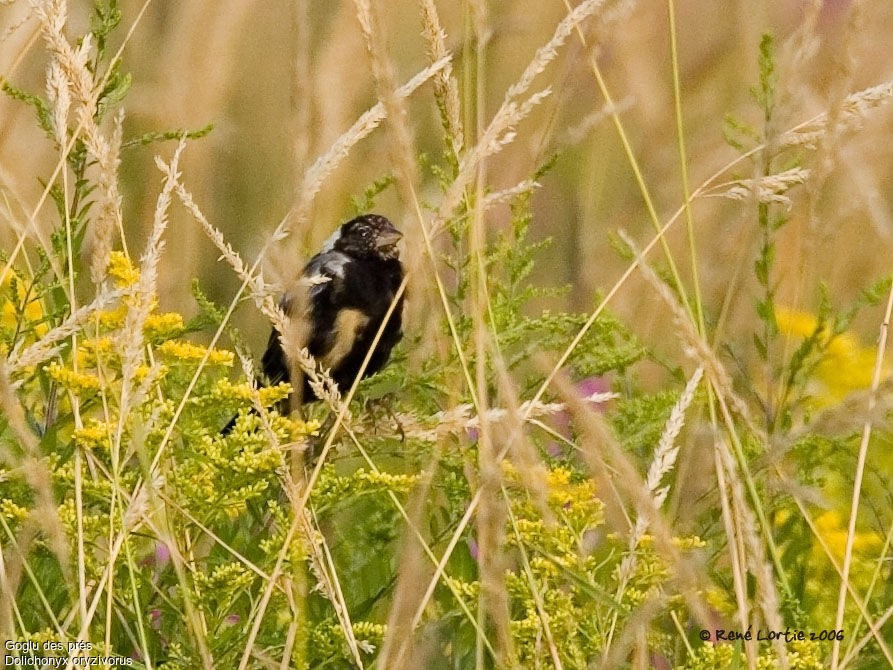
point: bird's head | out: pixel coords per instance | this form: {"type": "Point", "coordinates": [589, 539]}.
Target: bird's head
{"type": "Point", "coordinates": [369, 235]}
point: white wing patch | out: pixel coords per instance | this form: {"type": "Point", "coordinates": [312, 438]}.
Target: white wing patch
{"type": "Point", "coordinates": [334, 264]}
{"type": "Point", "coordinates": [328, 267]}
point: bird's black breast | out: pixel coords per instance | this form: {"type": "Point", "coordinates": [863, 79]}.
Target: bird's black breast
{"type": "Point", "coordinates": [346, 318]}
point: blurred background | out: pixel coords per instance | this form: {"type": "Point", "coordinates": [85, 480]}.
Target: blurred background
{"type": "Point", "coordinates": [281, 81]}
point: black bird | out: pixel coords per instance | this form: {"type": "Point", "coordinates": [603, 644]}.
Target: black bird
{"type": "Point", "coordinates": [362, 265]}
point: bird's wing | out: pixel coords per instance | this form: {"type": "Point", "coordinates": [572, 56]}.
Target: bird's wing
{"type": "Point", "coordinates": [333, 324]}
{"type": "Point", "coordinates": [325, 272]}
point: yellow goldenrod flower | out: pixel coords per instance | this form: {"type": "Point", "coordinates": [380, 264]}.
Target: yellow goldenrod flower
{"type": "Point", "coordinates": [77, 382]}
{"type": "Point", "coordinates": [832, 529]}
{"type": "Point", "coordinates": [225, 388]}
{"type": "Point", "coordinates": [846, 366]}
{"type": "Point", "coordinates": [122, 270]}
{"type": "Point", "coordinates": [690, 542]}
{"type": "Point", "coordinates": [269, 395]}
{"type": "Point", "coordinates": [304, 428]}
{"type": "Point", "coordinates": [94, 434]}
{"type": "Point", "coordinates": [557, 477]}
{"type": "Point", "coordinates": [91, 351]}
{"type": "Point", "coordinates": [12, 512]}
{"type": "Point", "coordinates": [795, 322]}
{"type": "Point", "coordinates": [164, 326]}
{"type": "Point", "coordinates": [13, 314]}
{"type": "Point", "coordinates": [112, 319]}
{"type": "Point", "coordinates": [186, 351]}
{"type": "Point", "coordinates": [143, 371]}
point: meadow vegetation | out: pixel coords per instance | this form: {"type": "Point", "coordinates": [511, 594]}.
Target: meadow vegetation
{"type": "Point", "coordinates": [643, 398]}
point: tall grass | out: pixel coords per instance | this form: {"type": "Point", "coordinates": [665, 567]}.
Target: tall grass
{"type": "Point", "coordinates": [690, 440]}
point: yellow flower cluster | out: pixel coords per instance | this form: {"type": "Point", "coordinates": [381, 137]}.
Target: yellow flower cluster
{"type": "Point", "coordinates": [305, 428]}
{"type": "Point", "coordinates": [94, 435]}
{"type": "Point", "coordinates": [269, 395]}
{"type": "Point", "coordinates": [386, 480]}
{"type": "Point", "coordinates": [79, 383]}
{"type": "Point", "coordinates": [156, 326]}
{"type": "Point", "coordinates": [331, 488]}
{"type": "Point", "coordinates": [163, 326]}
{"type": "Point", "coordinates": [122, 270]}
{"type": "Point", "coordinates": [12, 512]}
{"type": "Point", "coordinates": [13, 293]}
{"type": "Point", "coordinates": [368, 631]}
{"type": "Point", "coordinates": [229, 576]}
{"type": "Point", "coordinates": [556, 539]}
{"type": "Point", "coordinates": [91, 525]}
{"type": "Point", "coordinates": [867, 546]}
{"type": "Point", "coordinates": [566, 494]}
{"type": "Point", "coordinates": [252, 462]}
{"type": "Point", "coordinates": [801, 655]}
{"type": "Point", "coordinates": [831, 527]}
{"type": "Point", "coordinates": [112, 319]}
{"type": "Point", "coordinates": [93, 350]}
{"type": "Point", "coordinates": [691, 542]}
{"type": "Point", "coordinates": [188, 352]}
{"type": "Point", "coordinates": [470, 590]}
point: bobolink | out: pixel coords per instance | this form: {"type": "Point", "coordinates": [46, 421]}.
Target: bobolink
{"type": "Point", "coordinates": [361, 264]}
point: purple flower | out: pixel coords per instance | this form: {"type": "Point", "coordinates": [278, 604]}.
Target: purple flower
{"type": "Point", "coordinates": [592, 385]}
{"type": "Point", "coordinates": [162, 554]}
{"type": "Point", "coordinates": [473, 548]}
{"type": "Point", "coordinates": [562, 420]}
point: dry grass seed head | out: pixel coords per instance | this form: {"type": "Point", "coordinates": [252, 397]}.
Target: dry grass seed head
{"type": "Point", "coordinates": [755, 554]}
{"type": "Point", "coordinates": [694, 344]}
{"type": "Point", "coordinates": [500, 132]}
{"type": "Point", "coordinates": [144, 297]}
{"type": "Point", "coordinates": [108, 218]}
{"type": "Point", "coordinates": [48, 345]}
{"type": "Point", "coordinates": [599, 448]}
{"type": "Point", "coordinates": [663, 462]}
{"type": "Point", "coordinates": [446, 88]}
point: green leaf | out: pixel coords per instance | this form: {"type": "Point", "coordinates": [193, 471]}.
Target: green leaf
{"type": "Point", "coordinates": [735, 131]}
{"type": "Point", "coordinates": [760, 346]}
{"type": "Point", "coordinates": [620, 247]}
{"type": "Point", "coordinates": [149, 138]}
{"type": "Point", "coordinates": [869, 297]}
{"type": "Point", "coordinates": [764, 94]}
{"type": "Point", "coordinates": [105, 18]}
{"type": "Point", "coordinates": [114, 92]}
{"type": "Point", "coordinates": [766, 312]}
{"type": "Point", "coordinates": [763, 264]}
{"type": "Point", "coordinates": [366, 203]}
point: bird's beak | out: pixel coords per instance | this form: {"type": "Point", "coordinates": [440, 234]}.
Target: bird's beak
{"type": "Point", "coordinates": [388, 237]}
